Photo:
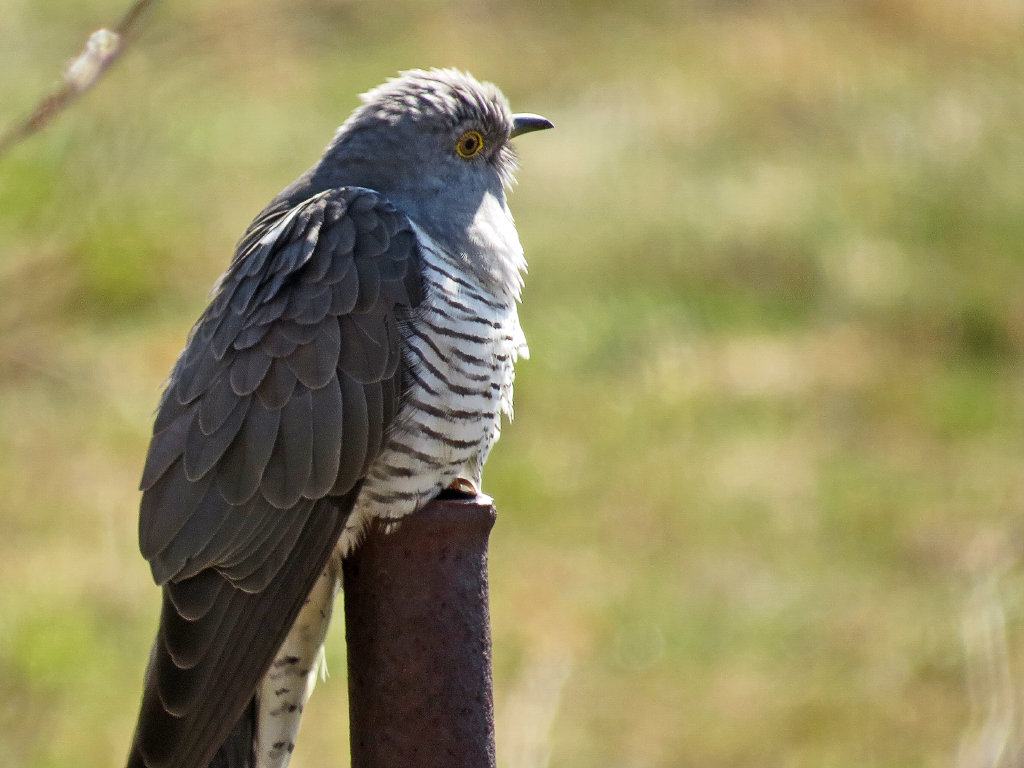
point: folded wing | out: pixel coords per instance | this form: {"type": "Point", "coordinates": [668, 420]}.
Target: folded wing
{"type": "Point", "coordinates": [272, 415]}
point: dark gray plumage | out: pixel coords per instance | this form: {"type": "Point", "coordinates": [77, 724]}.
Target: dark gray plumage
{"type": "Point", "coordinates": [354, 360]}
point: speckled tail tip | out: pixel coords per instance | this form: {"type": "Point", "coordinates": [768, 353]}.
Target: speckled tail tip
{"type": "Point", "coordinates": [419, 641]}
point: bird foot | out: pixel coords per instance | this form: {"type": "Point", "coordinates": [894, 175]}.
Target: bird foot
{"type": "Point", "coordinates": [460, 488]}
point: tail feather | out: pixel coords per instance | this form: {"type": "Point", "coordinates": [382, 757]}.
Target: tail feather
{"type": "Point", "coordinates": [237, 751]}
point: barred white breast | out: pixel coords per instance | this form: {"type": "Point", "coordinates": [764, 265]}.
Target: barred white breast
{"type": "Point", "coordinates": [459, 348]}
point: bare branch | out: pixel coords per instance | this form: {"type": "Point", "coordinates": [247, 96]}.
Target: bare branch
{"type": "Point", "coordinates": [102, 49]}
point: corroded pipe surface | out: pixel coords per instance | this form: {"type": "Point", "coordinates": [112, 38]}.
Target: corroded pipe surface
{"type": "Point", "coordinates": [419, 641]}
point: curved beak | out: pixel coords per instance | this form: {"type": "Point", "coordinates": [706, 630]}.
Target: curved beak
{"type": "Point", "coordinates": [524, 122]}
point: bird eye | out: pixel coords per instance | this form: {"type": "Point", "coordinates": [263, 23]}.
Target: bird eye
{"type": "Point", "coordinates": [469, 144]}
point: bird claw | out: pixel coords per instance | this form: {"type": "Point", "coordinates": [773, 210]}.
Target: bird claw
{"type": "Point", "coordinates": [460, 488]}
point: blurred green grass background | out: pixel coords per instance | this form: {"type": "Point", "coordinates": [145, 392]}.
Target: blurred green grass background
{"type": "Point", "coordinates": [762, 500]}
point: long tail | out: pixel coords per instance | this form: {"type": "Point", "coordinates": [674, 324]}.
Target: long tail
{"type": "Point", "coordinates": [201, 703]}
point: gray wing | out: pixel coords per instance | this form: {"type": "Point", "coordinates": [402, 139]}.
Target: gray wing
{"type": "Point", "coordinates": [272, 415]}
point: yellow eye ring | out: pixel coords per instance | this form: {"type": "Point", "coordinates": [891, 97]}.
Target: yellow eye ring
{"type": "Point", "coordinates": [469, 144]}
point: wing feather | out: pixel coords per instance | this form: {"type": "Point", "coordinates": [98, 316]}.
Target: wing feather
{"type": "Point", "coordinates": [328, 406]}
{"type": "Point", "coordinates": [203, 451]}
{"type": "Point", "coordinates": [240, 473]}
{"type": "Point", "coordinates": [166, 507]}
{"type": "Point", "coordinates": [248, 369]}
{"type": "Point", "coordinates": [217, 405]}
{"type": "Point", "coordinates": [290, 462]}
{"type": "Point", "coordinates": [277, 385]}
{"type": "Point", "coordinates": [165, 448]}
{"type": "Point", "coordinates": [315, 363]}
{"type": "Point", "coordinates": [354, 436]}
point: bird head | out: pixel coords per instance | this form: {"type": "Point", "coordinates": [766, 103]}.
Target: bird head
{"type": "Point", "coordinates": [437, 144]}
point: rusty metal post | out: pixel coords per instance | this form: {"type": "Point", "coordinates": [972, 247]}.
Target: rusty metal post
{"type": "Point", "coordinates": [419, 641]}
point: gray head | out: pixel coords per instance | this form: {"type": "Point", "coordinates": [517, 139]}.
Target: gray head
{"type": "Point", "coordinates": [436, 143]}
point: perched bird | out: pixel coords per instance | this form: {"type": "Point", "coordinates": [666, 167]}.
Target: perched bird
{"type": "Point", "coordinates": [354, 362]}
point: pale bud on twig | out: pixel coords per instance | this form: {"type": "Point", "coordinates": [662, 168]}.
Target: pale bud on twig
{"type": "Point", "coordinates": [100, 49]}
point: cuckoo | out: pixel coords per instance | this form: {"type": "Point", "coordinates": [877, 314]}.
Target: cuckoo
{"type": "Point", "coordinates": [354, 361]}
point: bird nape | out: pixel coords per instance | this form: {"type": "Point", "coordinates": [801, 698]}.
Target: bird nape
{"type": "Point", "coordinates": [354, 362]}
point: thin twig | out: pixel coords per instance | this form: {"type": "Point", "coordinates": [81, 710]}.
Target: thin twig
{"type": "Point", "coordinates": [102, 49]}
